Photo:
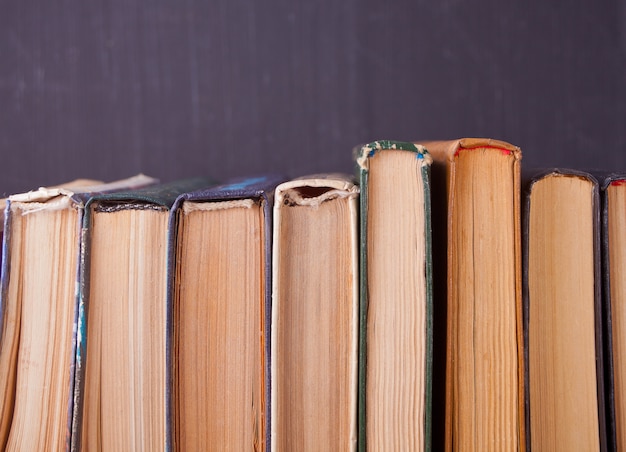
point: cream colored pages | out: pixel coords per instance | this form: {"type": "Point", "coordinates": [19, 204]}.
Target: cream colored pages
{"type": "Point", "coordinates": [397, 302]}
{"type": "Point", "coordinates": [315, 315]}
{"type": "Point", "coordinates": [561, 328]}
{"type": "Point", "coordinates": [218, 346]}
{"type": "Point", "coordinates": [39, 310]}
{"type": "Point", "coordinates": [124, 379]}
{"type": "Point", "coordinates": [485, 364]}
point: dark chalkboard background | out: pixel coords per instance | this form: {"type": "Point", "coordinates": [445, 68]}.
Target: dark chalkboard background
{"type": "Point", "coordinates": [235, 87]}
{"type": "Point", "coordinates": [107, 89]}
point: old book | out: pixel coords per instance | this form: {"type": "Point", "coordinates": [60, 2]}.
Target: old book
{"type": "Point", "coordinates": [562, 299]}
{"type": "Point", "coordinates": [315, 315]}
{"type": "Point", "coordinates": [120, 387]}
{"type": "Point", "coordinates": [219, 316]}
{"type": "Point", "coordinates": [480, 240]}
{"type": "Point", "coordinates": [613, 243]}
{"type": "Point", "coordinates": [396, 297]}
{"type": "Point", "coordinates": [38, 300]}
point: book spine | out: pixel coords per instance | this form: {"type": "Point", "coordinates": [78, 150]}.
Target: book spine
{"type": "Point", "coordinates": [429, 310]}
{"type": "Point", "coordinates": [80, 344]}
{"type": "Point", "coordinates": [609, 377]}
{"type": "Point", "coordinates": [267, 201]}
{"type": "Point", "coordinates": [363, 302]}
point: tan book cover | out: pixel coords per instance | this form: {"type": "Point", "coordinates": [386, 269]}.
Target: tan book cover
{"type": "Point", "coordinates": [481, 241]}
{"type": "Point", "coordinates": [39, 298]}
{"type": "Point", "coordinates": [315, 314]}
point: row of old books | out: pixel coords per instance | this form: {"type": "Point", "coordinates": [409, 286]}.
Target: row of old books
{"type": "Point", "coordinates": [439, 302]}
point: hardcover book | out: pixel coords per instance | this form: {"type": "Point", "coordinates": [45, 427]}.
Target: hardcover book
{"type": "Point", "coordinates": [395, 350]}
{"type": "Point", "coordinates": [478, 249]}
{"type": "Point", "coordinates": [613, 243]}
{"type": "Point", "coordinates": [563, 311]}
{"type": "Point", "coordinates": [38, 307]}
{"type": "Point", "coordinates": [315, 314]}
{"type": "Point", "coordinates": [219, 316]}
{"type": "Point", "coordinates": [120, 390]}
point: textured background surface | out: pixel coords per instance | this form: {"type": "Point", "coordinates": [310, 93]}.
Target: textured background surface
{"type": "Point", "coordinates": [106, 89]}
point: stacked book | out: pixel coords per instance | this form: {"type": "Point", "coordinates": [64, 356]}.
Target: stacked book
{"type": "Point", "coordinates": [440, 299]}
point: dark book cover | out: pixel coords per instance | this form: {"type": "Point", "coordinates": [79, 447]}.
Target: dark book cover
{"type": "Point", "coordinates": [261, 189]}
{"type": "Point", "coordinates": [530, 177]}
{"type": "Point", "coordinates": [606, 180]}
{"type": "Point", "coordinates": [160, 197]}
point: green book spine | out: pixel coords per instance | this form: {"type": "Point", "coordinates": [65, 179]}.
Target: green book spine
{"type": "Point", "coordinates": [362, 156]}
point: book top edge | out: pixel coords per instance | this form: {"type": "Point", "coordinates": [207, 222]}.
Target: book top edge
{"type": "Point", "coordinates": [331, 180]}
{"type": "Point", "coordinates": [367, 151]}
{"type": "Point", "coordinates": [162, 194]}
{"type": "Point", "coordinates": [81, 188]}
{"type": "Point", "coordinates": [254, 187]}
{"type": "Point", "coordinates": [448, 150]}
{"type": "Point", "coordinates": [531, 176]}
{"type": "Point", "coordinates": [315, 191]}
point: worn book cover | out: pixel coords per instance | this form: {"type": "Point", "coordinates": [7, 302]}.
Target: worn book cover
{"type": "Point", "coordinates": [315, 314]}
{"type": "Point", "coordinates": [477, 246]}
{"type": "Point", "coordinates": [156, 198]}
{"type": "Point", "coordinates": [613, 216]}
{"type": "Point", "coordinates": [38, 309]}
{"type": "Point", "coordinates": [217, 290]}
{"type": "Point", "coordinates": [395, 297]}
